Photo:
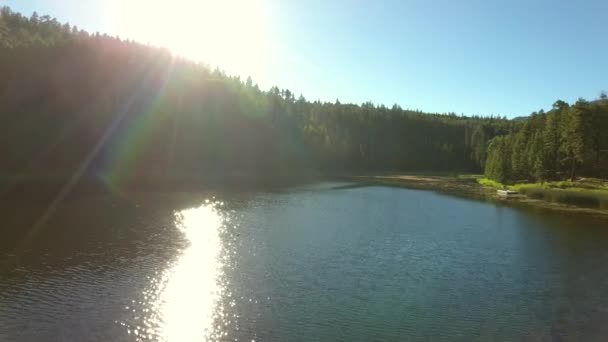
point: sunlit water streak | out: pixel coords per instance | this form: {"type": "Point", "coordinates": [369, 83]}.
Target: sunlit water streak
{"type": "Point", "coordinates": [183, 303]}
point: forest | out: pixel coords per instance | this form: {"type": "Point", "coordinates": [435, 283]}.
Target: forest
{"type": "Point", "coordinates": [567, 142]}
{"type": "Point", "coordinates": [78, 106]}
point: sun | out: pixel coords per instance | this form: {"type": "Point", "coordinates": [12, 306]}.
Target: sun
{"type": "Point", "coordinates": [230, 34]}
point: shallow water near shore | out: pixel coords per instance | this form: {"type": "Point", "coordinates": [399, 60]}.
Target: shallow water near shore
{"type": "Point", "coordinates": [326, 261]}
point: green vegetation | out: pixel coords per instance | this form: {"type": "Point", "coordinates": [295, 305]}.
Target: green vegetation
{"type": "Point", "coordinates": [563, 144]}
{"type": "Point", "coordinates": [490, 183]}
{"type": "Point", "coordinates": [76, 106]}
{"type": "Point", "coordinates": [590, 193]}
{"type": "Point", "coordinates": [89, 106]}
{"type": "Point", "coordinates": [585, 184]}
{"type": "Point", "coordinates": [546, 157]}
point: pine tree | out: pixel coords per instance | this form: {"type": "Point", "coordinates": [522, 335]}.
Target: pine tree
{"type": "Point", "coordinates": [498, 165]}
{"type": "Point", "coordinates": [552, 138]}
{"type": "Point", "coordinates": [573, 137]}
{"type": "Point", "coordinates": [537, 158]}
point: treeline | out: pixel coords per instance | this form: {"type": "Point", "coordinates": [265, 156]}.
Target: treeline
{"type": "Point", "coordinates": [75, 105]}
{"type": "Point", "coordinates": [566, 142]}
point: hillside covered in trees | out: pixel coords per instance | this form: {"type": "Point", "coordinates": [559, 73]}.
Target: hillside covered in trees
{"type": "Point", "coordinates": [90, 106]}
{"type": "Point", "coordinates": [566, 142]}
{"type": "Point", "coordinates": [79, 106]}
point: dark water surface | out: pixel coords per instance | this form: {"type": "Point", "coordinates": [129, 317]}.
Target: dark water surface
{"type": "Point", "coordinates": [324, 262]}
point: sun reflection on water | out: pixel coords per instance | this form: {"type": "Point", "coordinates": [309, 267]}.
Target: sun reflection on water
{"type": "Point", "coordinates": [184, 302]}
{"type": "Point", "coordinates": [188, 301]}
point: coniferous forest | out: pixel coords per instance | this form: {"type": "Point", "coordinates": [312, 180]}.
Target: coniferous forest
{"type": "Point", "coordinates": [566, 142]}
{"type": "Point", "coordinates": [86, 106]}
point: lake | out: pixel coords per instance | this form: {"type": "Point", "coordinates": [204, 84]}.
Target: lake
{"type": "Point", "coordinates": [321, 262]}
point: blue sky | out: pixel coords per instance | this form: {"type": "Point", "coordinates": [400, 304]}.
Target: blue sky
{"type": "Point", "coordinates": [471, 56]}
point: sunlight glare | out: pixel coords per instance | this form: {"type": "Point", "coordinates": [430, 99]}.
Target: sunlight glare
{"type": "Point", "coordinates": [230, 34]}
{"type": "Point", "coordinates": [188, 303]}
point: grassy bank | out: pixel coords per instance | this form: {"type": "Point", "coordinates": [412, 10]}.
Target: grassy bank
{"type": "Point", "coordinates": [587, 193]}
{"type": "Point", "coordinates": [589, 197]}
{"type": "Point", "coordinates": [460, 185]}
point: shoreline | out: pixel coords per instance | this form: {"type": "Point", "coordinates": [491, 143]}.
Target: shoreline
{"type": "Point", "coordinates": [465, 186]}
{"type": "Point", "coordinates": [468, 187]}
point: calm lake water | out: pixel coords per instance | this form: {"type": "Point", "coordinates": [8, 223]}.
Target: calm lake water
{"type": "Point", "coordinates": [323, 262]}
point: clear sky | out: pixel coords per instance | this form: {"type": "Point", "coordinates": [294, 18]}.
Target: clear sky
{"type": "Point", "coordinates": [502, 57]}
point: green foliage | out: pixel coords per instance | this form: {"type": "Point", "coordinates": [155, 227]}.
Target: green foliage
{"type": "Point", "coordinates": [566, 142]}
{"type": "Point", "coordinates": [489, 183]}
{"type": "Point", "coordinates": [590, 193]}
{"type": "Point", "coordinates": [499, 162]}
{"type": "Point", "coordinates": [122, 111]}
